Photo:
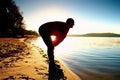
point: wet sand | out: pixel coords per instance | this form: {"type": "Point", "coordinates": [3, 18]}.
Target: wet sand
{"type": "Point", "coordinates": [20, 60]}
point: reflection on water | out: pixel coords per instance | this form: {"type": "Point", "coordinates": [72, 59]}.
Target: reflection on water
{"type": "Point", "coordinates": [92, 58]}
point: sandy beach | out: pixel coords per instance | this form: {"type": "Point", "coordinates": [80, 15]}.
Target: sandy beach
{"type": "Point", "coordinates": [20, 60]}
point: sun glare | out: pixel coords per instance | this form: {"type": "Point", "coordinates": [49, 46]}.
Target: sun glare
{"type": "Point", "coordinates": [51, 14]}
{"type": "Point", "coordinates": [45, 15]}
{"type": "Point", "coordinates": [53, 37]}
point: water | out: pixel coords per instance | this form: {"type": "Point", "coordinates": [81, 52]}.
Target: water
{"type": "Point", "coordinates": [92, 58]}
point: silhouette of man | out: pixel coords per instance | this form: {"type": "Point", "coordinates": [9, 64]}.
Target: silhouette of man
{"type": "Point", "coordinates": [59, 30]}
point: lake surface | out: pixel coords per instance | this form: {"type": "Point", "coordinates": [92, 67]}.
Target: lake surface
{"type": "Point", "coordinates": [92, 58]}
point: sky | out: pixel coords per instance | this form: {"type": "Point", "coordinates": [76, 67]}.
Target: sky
{"type": "Point", "coordinates": [90, 16]}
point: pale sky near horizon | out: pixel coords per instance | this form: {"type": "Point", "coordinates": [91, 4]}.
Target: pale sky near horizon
{"type": "Point", "coordinates": [89, 15]}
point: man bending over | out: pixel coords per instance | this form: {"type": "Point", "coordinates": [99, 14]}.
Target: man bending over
{"type": "Point", "coordinates": [57, 29]}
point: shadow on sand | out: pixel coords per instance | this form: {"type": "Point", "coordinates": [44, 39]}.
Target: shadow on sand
{"type": "Point", "coordinates": [56, 73]}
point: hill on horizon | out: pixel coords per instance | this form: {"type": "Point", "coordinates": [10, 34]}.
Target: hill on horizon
{"type": "Point", "coordinates": [95, 35]}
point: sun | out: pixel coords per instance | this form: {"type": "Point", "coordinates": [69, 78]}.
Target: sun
{"type": "Point", "coordinates": [53, 37]}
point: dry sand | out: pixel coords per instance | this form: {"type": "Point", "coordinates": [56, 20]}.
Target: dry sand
{"type": "Point", "coordinates": [22, 61]}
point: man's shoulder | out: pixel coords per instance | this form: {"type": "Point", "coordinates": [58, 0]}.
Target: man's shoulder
{"type": "Point", "coordinates": [54, 24]}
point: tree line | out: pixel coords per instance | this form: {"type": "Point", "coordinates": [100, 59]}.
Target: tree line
{"type": "Point", "coordinates": [11, 20]}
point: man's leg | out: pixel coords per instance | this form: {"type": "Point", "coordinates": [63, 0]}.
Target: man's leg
{"type": "Point", "coordinates": [50, 48]}
{"type": "Point", "coordinates": [50, 52]}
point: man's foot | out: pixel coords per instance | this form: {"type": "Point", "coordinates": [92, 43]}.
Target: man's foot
{"type": "Point", "coordinates": [57, 65]}
{"type": "Point", "coordinates": [54, 69]}
{"type": "Point", "coordinates": [54, 65]}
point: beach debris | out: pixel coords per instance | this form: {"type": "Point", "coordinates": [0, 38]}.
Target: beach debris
{"type": "Point", "coordinates": [12, 48]}
{"type": "Point", "coordinates": [19, 77]}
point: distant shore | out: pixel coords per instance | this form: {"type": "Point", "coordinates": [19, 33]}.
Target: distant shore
{"type": "Point", "coordinates": [21, 60]}
{"type": "Point", "coordinates": [95, 35]}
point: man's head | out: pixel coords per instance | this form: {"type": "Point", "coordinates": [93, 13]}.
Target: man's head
{"type": "Point", "coordinates": [70, 22]}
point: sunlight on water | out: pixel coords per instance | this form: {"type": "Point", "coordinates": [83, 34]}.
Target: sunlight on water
{"type": "Point", "coordinates": [92, 58]}
{"type": "Point", "coordinates": [81, 43]}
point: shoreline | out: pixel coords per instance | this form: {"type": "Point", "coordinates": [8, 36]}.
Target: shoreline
{"type": "Point", "coordinates": [29, 63]}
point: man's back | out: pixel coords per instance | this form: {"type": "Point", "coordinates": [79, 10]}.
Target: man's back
{"type": "Point", "coordinates": [54, 26]}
